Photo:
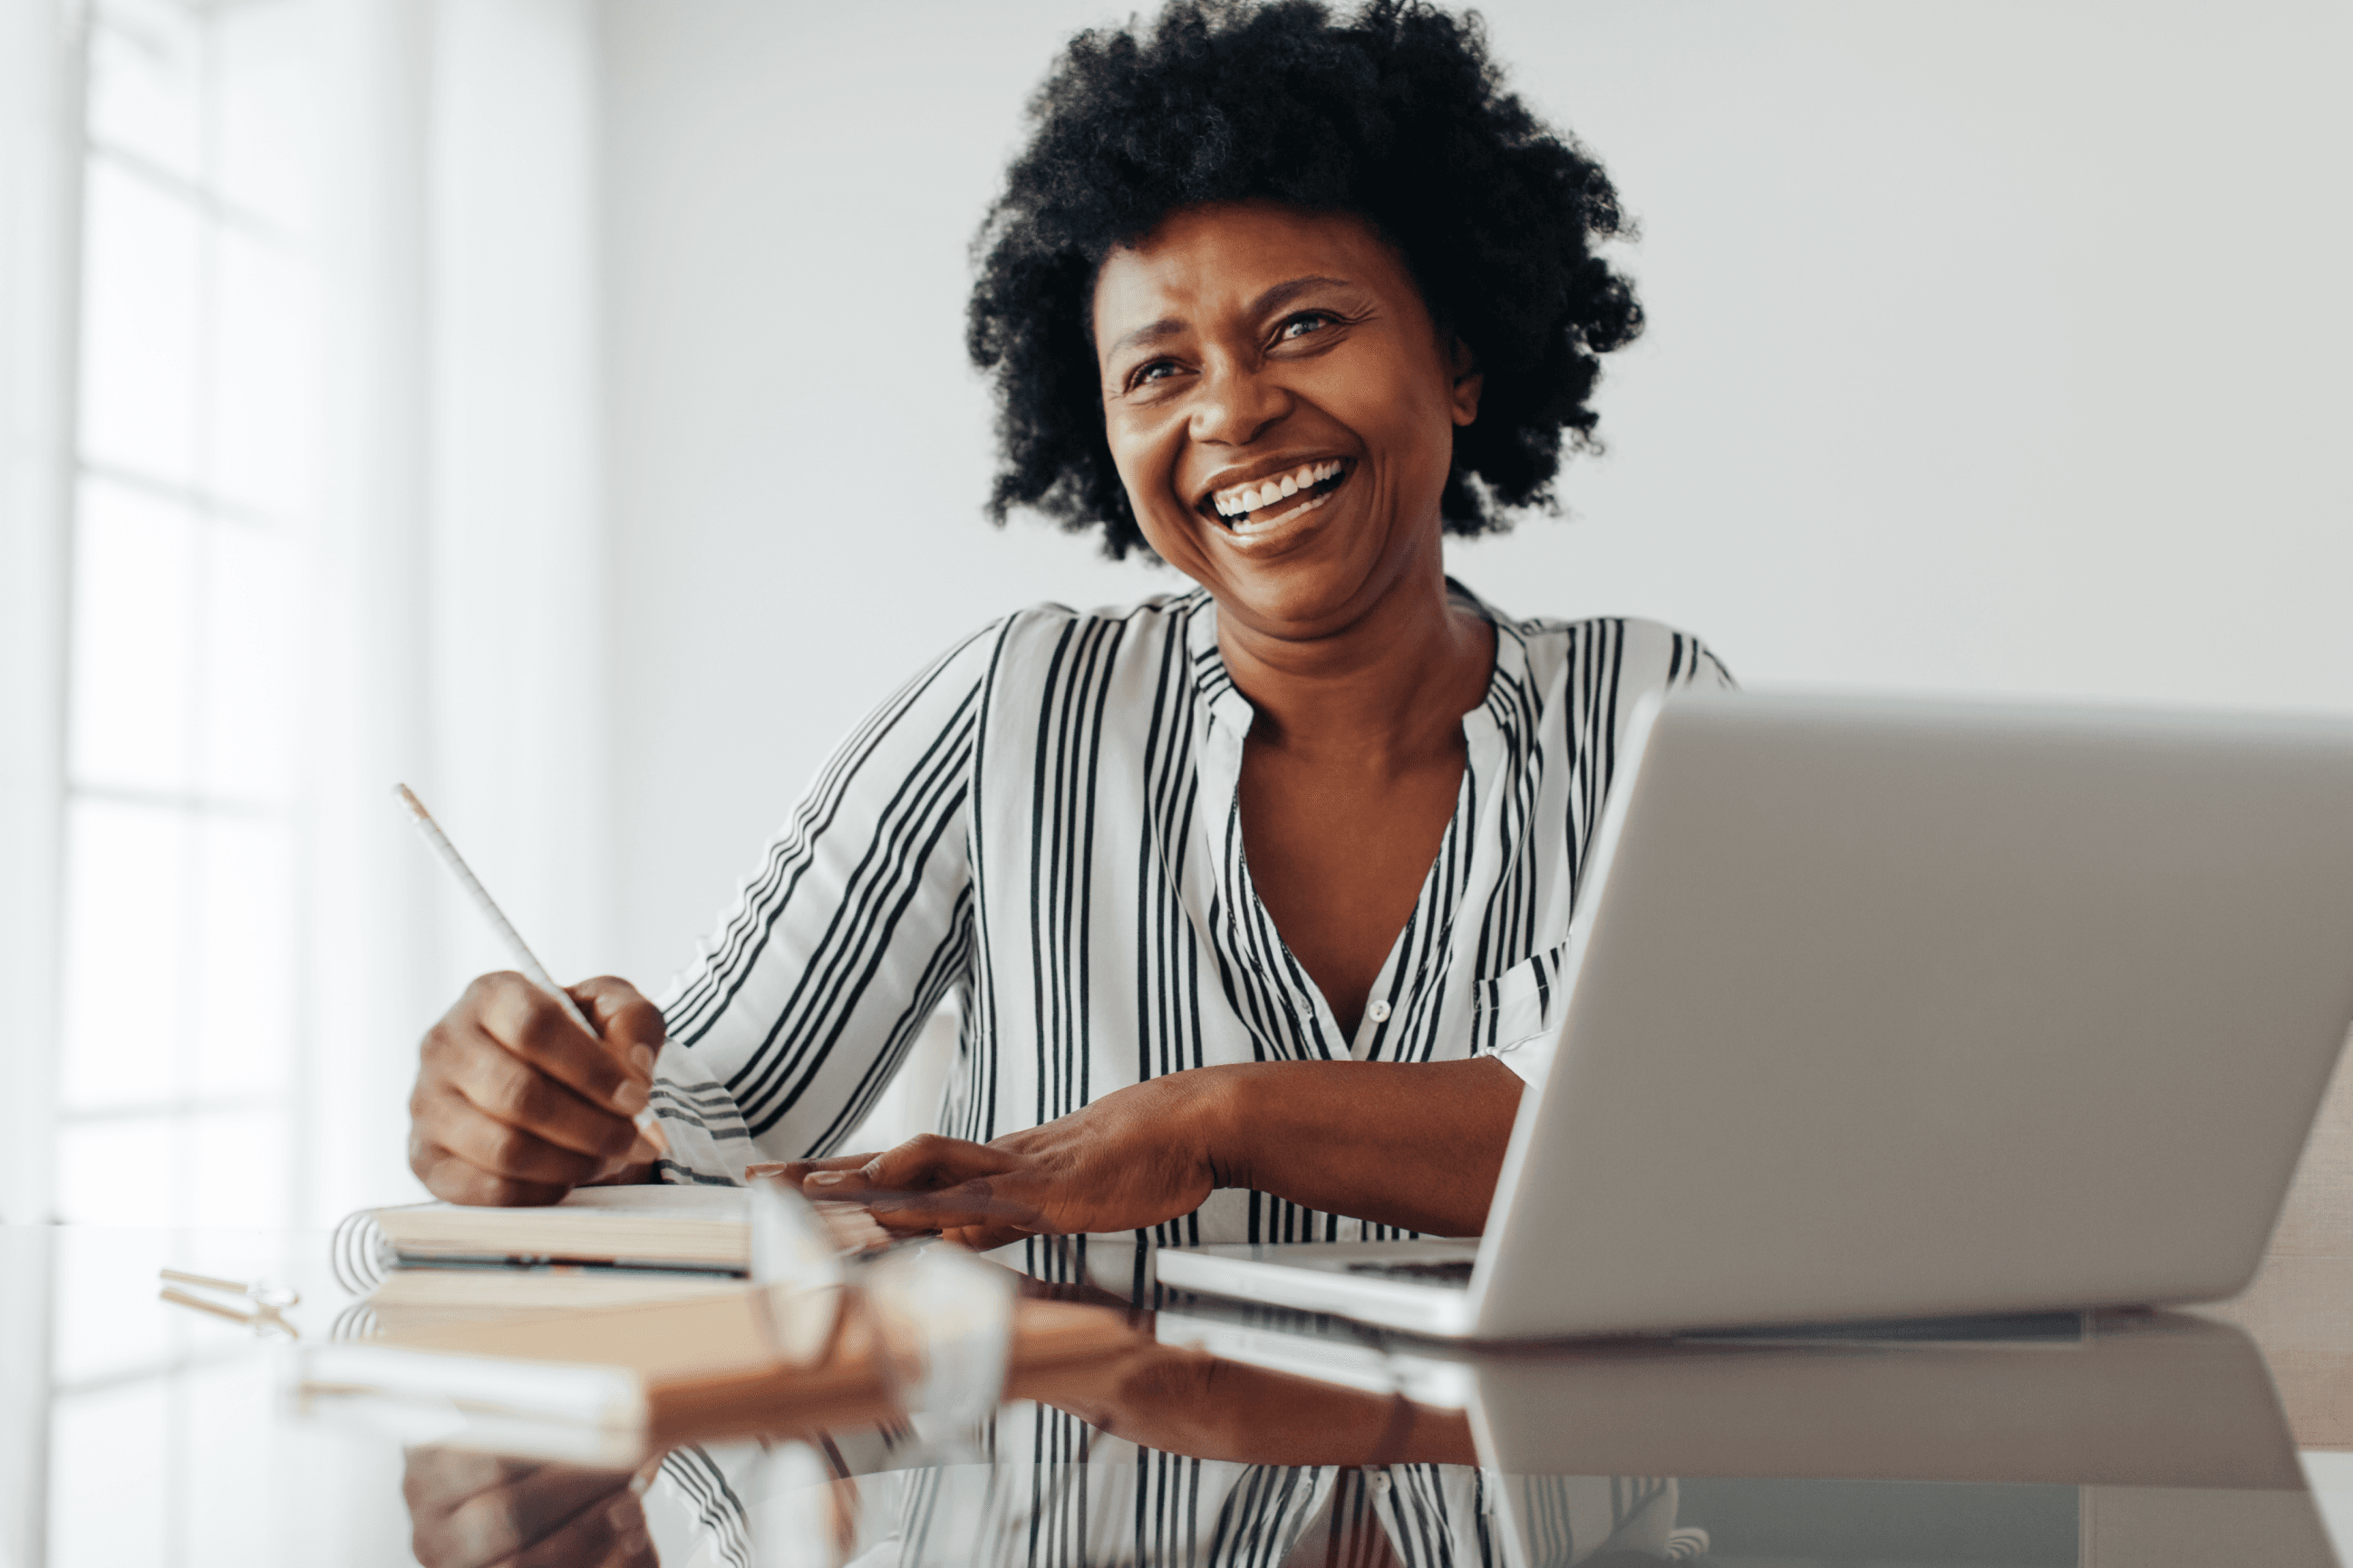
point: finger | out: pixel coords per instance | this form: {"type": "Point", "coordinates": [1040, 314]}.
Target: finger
{"type": "Point", "coordinates": [932, 1159]}
{"type": "Point", "coordinates": [604, 1535]}
{"type": "Point", "coordinates": [849, 1228]}
{"type": "Point", "coordinates": [469, 1106]}
{"type": "Point", "coordinates": [454, 1181]}
{"type": "Point", "coordinates": [630, 1024]}
{"type": "Point", "coordinates": [508, 1089]}
{"type": "Point", "coordinates": [529, 1023]}
{"type": "Point", "coordinates": [514, 1154]}
{"type": "Point", "coordinates": [926, 1162]}
{"type": "Point", "coordinates": [977, 1202]}
{"type": "Point", "coordinates": [795, 1173]}
{"type": "Point", "coordinates": [435, 1480]}
{"type": "Point", "coordinates": [987, 1238]}
{"type": "Point", "coordinates": [498, 1524]}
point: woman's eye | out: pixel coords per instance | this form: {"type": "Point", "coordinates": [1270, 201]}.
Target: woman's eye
{"type": "Point", "coordinates": [1158, 370]}
{"type": "Point", "coordinates": [1299, 326]}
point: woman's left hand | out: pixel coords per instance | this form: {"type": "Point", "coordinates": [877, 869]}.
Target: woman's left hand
{"type": "Point", "coordinates": [1134, 1158]}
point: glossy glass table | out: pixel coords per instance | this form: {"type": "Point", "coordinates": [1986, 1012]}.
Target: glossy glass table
{"type": "Point", "coordinates": [134, 1432]}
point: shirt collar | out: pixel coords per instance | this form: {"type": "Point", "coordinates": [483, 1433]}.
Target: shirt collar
{"type": "Point", "coordinates": [1228, 705]}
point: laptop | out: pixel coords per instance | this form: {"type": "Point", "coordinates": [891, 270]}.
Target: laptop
{"type": "Point", "coordinates": [1877, 1008]}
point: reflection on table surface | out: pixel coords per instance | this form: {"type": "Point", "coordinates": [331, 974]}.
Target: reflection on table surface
{"type": "Point", "coordinates": [1205, 1433]}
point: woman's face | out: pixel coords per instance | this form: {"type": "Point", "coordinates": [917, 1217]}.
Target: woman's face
{"type": "Point", "coordinates": [1282, 409]}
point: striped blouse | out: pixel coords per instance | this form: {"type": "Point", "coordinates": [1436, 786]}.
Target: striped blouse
{"type": "Point", "coordinates": [1045, 825]}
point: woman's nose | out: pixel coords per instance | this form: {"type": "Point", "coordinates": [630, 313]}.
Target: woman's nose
{"type": "Point", "coordinates": [1236, 403]}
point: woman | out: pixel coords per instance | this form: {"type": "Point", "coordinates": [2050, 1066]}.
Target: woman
{"type": "Point", "coordinates": [1250, 897]}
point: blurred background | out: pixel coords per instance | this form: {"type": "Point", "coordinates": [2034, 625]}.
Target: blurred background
{"type": "Point", "coordinates": [561, 406]}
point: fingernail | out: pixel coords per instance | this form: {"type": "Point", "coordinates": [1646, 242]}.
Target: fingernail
{"type": "Point", "coordinates": [631, 1097]}
{"type": "Point", "coordinates": [642, 1058]}
{"type": "Point", "coordinates": [829, 1178]}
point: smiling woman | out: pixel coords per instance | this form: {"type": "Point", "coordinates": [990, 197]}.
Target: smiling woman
{"type": "Point", "coordinates": [1248, 894]}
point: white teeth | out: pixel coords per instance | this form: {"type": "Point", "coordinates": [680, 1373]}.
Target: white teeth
{"type": "Point", "coordinates": [1266, 492]}
{"type": "Point", "coordinates": [1246, 533]}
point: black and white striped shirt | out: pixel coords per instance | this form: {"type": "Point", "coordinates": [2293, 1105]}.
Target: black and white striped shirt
{"type": "Point", "coordinates": [1045, 825]}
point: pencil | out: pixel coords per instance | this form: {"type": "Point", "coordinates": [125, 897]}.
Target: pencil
{"type": "Point", "coordinates": [519, 950]}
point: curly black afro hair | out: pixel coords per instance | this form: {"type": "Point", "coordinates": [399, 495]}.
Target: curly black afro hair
{"type": "Point", "coordinates": [1394, 114]}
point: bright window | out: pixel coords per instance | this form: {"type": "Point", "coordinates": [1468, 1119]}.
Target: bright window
{"type": "Point", "coordinates": [177, 1084]}
{"type": "Point", "coordinates": [196, 402]}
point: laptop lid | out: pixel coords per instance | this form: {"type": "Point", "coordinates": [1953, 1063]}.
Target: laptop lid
{"type": "Point", "coordinates": [1891, 1008]}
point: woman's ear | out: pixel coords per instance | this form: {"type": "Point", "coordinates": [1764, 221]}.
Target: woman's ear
{"type": "Point", "coordinates": [1468, 380]}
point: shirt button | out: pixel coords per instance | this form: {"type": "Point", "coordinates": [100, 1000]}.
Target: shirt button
{"type": "Point", "coordinates": [1378, 1012]}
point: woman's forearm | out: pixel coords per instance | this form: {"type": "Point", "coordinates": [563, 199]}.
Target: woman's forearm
{"type": "Point", "coordinates": [1414, 1144]}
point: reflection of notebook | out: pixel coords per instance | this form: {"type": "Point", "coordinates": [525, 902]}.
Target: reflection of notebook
{"type": "Point", "coordinates": [755, 1359]}
{"type": "Point", "coordinates": [1889, 1008]}
{"type": "Point", "coordinates": [2143, 1440]}
{"type": "Point", "coordinates": [618, 1367]}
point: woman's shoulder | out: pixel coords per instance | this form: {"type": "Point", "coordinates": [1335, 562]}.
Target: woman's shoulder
{"type": "Point", "coordinates": [1050, 619]}
{"type": "Point", "coordinates": [1027, 640]}
{"type": "Point", "coordinates": [1631, 653]}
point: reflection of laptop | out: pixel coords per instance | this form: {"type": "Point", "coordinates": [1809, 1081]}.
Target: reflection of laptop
{"type": "Point", "coordinates": [1875, 1008]}
{"type": "Point", "coordinates": [2122, 1398]}
{"type": "Point", "coordinates": [2132, 1439]}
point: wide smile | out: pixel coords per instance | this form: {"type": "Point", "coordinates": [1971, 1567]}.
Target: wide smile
{"type": "Point", "coordinates": [1249, 512]}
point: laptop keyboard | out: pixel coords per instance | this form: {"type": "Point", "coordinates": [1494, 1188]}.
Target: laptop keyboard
{"type": "Point", "coordinates": [1447, 1271]}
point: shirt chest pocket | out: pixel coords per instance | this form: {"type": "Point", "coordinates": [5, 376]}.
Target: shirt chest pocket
{"type": "Point", "coordinates": [1523, 1003]}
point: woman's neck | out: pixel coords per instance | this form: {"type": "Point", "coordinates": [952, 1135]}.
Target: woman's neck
{"type": "Point", "coordinates": [1381, 694]}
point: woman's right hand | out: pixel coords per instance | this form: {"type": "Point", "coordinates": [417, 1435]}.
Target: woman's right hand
{"type": "Point", "coordinates": [514, 1105]}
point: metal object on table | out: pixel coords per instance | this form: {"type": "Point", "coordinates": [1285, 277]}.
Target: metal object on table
{"type": "Point", "coordinates": [260, 1306]}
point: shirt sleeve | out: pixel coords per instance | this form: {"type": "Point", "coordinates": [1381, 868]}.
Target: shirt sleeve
{"type": "Point", "coordinates": [796, 1015]}
{"type": "Point", "coordinates": [1528, 1051]}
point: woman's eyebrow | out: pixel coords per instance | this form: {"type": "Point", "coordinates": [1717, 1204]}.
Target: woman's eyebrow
{"type": "Point", "coordinates": [1157, 331]}
{"type": "Point", "coordinates": [1282, 294]}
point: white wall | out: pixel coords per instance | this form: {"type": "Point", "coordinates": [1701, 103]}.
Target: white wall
{"type": "Point", "coordinates": [1996, 347]}
{"type": "Point", "coordinates": [458, 578]}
